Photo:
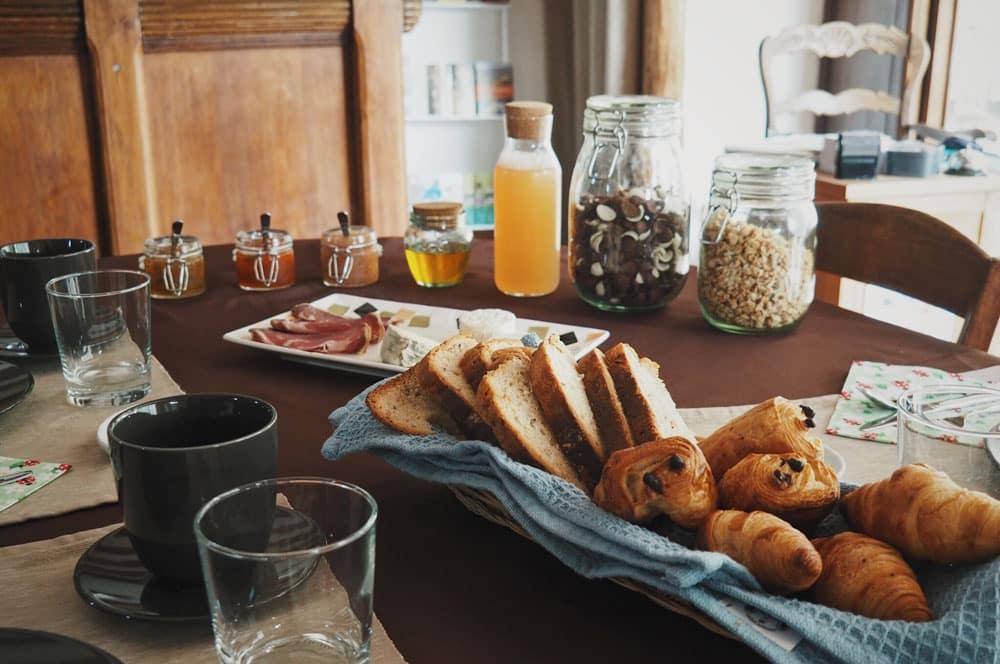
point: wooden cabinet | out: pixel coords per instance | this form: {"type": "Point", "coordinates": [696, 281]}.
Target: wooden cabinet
{"type": "Point", "coordinates": [119, 116]}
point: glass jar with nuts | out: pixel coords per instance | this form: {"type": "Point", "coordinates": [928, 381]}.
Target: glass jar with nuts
{"type": "Point", "coordinates": [629, 212]}
{"type": "Point", "coordinates": [757, 272]}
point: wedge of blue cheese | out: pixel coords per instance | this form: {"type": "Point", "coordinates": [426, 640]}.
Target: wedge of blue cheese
{"type": "Point", "coordinates": [403, 347]}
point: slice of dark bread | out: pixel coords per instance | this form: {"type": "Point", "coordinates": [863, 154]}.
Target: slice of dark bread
{"type": "Point", "coordinates": [404, 404]}
{"type": "Point", "coordinates": [506, 402]}
{"type": "Point", "coordinates": [608, 411]}
{"type": "Point", "coordinates": [559, 389]}
{"type": "Point", "coordinates": [650, 409]}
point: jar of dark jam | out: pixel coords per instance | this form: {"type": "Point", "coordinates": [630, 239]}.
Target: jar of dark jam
{"type": "Point", "coordinates": [265, 259]}
{"type": "Point", "coordinates": [175, 265]}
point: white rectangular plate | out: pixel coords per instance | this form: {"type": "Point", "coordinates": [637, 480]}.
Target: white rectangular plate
{"type": "Point", "coordinates": [441, 323]}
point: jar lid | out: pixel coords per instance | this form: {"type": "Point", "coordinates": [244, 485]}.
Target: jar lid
{"type": "Point", "coordinates": [438, 214]}
{"type": "Point", "coordinates": [527, 119]}
{"type": "Point", "coordinates": [161, 246]}
{"type": "Point", "coordinates": [277, 240]}
{"type": "Point", "coordinates": [357, 236]}
{"type": "Point", "coordinates": [771, 176]}
{"type": "Point", "coordinates": [644, 116]}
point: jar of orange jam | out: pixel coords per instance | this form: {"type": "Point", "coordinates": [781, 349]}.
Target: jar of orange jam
{"type": "Point", "coordinates": [349, 256]}
{"type": "Point", "coordinates": [265, 258]}
{"type": "Point", "coordinates": [175, 265]}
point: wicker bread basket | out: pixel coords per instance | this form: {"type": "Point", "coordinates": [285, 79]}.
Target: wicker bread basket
{"type": "Point", "coordinates": [487, 506]}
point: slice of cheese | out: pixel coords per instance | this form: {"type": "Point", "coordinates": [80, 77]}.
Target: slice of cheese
{"type": "Point", "coordinates": [403, 347]}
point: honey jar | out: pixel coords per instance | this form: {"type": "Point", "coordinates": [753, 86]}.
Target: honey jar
{"type": "Point", "coordinates": [264, 257]}
{"type": "Point", "coordinates": [175, 264]}
{"type": "Point", "coordinates": [350, 255]}
{"type": "Point", "coordinates": [437, 244]}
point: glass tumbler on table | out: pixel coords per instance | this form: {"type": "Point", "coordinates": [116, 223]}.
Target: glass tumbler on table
{"type": "Point", "coordinates": [526, 204]}
{"type": "Point", "coordinates": [102, 325]}
{"type": "Point", "coordinates": [289, 566]}
{"type": "Point", "coordinates": [954, 429]}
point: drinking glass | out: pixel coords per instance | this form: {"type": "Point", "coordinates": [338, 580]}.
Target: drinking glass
{"type": "Point", "coordinates": [954, 429]}
{"type": "Point", "coordinates": [289, 566]}
{"type": "Point", "coordinates": [102, 326]}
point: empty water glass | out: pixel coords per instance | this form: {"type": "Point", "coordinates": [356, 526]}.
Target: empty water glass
{"type": "Point", "coordinates": [102, 325]}
{"type": "Point", "coordinates": [289, 566]}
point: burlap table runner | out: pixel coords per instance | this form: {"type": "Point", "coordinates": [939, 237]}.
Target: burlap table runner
{"type": "Point", "coordinates": [47, 428]}
{"type": "Point", "coordinates": [38, 587]}
{"type": "Point", "coordinates": [866, 461]}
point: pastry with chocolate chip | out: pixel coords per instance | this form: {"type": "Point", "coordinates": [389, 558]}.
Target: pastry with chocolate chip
{"type": "Point", "coordinates": [667, 477]}
{"type": "Point", "coordinates": [801, 491]}
{"type": "Point", "coordinates": [775, 426]}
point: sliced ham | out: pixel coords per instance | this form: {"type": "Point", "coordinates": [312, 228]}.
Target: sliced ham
{"type": "Point", "coordinates": [308, 319]}
{"type": "Point", "coordinates": [351, 340]}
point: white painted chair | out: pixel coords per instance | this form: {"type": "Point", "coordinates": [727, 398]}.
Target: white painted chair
{"type": "Point", "coordinates": [840, 39]}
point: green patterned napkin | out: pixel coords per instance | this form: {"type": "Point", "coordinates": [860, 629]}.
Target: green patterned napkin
{"type": "Point", "coordinates": [888, 381]}
{"type": "Point", "coordinates": [41, 474]}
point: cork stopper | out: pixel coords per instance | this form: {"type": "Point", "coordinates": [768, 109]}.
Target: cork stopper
{"type": "Point", "coordinates": [437, 214]}
{"type": "Point", "coordinates": [526, 119]}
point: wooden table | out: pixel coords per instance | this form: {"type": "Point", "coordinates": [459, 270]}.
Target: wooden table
{"type": "Point", "coordinates": [450, 586]}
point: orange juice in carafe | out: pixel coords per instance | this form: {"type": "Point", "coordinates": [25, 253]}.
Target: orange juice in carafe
{"type": "Point", "coordinates": [526, 204]}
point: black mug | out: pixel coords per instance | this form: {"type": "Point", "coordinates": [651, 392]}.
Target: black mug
{"type": "Point", "coordinates": [25, 268]}
{"type": "Point", "coordinates": [172, 455]}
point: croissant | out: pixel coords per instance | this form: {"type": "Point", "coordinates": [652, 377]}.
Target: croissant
{"type": "Point", "coordinates": [777, 426]}
{"type": "Point", "coordinates": [868, 577]}
{"type": "Point", "coordinates": [667, 476]}
{"type": "Point", "coordinates": [925, 515]}
{"type": "Point", "coordinates": [780, 557]}
{"type": "Point", "coordinates": [799, 490]}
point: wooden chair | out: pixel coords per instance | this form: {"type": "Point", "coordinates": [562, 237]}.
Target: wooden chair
{"type": "Point", "coordinates": [840, 39]}
{"type": "Point", "coordinates": [915, 254]}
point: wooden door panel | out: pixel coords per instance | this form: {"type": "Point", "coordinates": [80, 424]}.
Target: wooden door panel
{"type": "Point", "coordinates": [239, 132]}
{"type": "Point", "coordinates": [46, 164]}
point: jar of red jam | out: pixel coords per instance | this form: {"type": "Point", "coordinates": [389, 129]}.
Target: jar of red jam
{"type": "Point", "coordinates": [265, 258]}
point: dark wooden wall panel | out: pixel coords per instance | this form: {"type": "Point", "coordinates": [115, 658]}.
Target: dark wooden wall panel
{"type": "Point", "coordinates": [240, 132]}
{"type": "Point", "coordinates": [47, 184]}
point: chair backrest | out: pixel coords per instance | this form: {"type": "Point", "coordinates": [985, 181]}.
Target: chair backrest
{"type": "Point", "coordinates": [840, 39]}
{"type": "Point", "coordinates": [915, 254]}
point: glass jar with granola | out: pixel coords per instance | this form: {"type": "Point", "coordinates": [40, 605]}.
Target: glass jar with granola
{"type": "Point", "coordinates": [757, 271]}
{"type": "Point", "coordinates": [629, 211]}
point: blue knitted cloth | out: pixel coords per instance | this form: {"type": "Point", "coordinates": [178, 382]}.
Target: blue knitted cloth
{"type": "Point", "coordinates": [596, 544]}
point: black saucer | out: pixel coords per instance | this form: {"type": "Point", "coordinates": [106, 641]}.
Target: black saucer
{"type": "Point", "coordinates": [110, 577]}
{"type": "Point", "coordinates": [15, 385]}
{"type": "Point", "coordinates": [27, 646]}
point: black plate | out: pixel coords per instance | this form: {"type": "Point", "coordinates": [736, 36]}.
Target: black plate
{"type": "Point", "coordinates": [12, 347]}
{"type": "Point", "coordinates": [15, 385]}
{"type": "Point", "coordinates": [109, 576]}
{"type": "Point", "coordinates": [26, 646]}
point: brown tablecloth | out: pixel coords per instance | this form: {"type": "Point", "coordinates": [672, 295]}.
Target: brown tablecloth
{"type": "Point", "coordinates": [451, 587]}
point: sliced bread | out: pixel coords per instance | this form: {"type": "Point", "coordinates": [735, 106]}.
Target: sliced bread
{"type": "Point", "coordinates": [507, 404]}
{"type": "Point", "coordinates": [404, 404]}
{"type": "Point", "coordinates": [478, 360]}
{"type": "Point", "coordinates": [650, 409]}
{"type": "Point", "coordinates": [604, 401]}
{"type": "Point", "coordinates": [443, 376]}
{"type": "Point", "coordinates": [559, 389]}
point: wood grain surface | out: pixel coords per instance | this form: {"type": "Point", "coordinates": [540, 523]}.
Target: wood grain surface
{"type": "Point", "coordinates": [36, 27]}
{"type": "Point", "coordinates": [171, 25]}
{"type": "Point", "coordinates": [242, 132]}
{"type": "Point", "coordinates": [663, 48]}
{"type": "Point", "coordinates": [48, 187]}
{"type": "Point", "coordinates": [916, 254]}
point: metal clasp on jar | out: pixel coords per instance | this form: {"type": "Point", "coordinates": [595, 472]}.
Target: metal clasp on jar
{"type": "Point", "coordinates": [732, 199]}
{"type": "Point", "coordinates": [341, 273]}
{"type": "Point", "coordinates": [619, 132]}
{"type": "Point", "coordinates": [272, 274]}
{"type": "Point", "coordinates": [176, 286]}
